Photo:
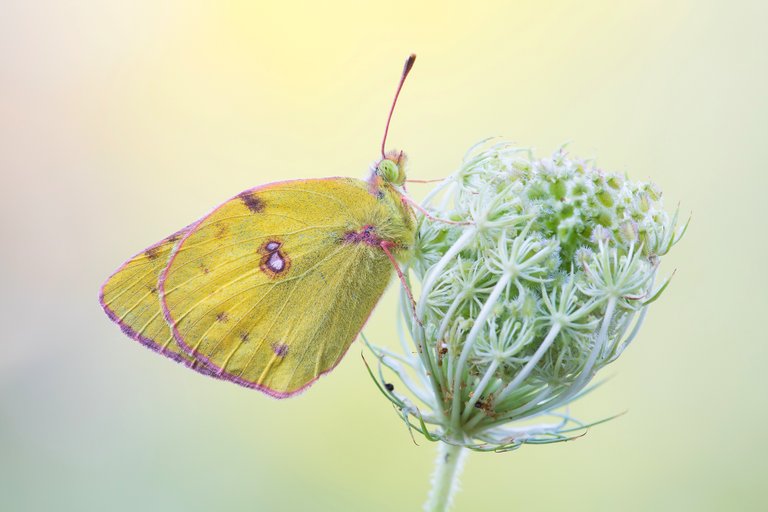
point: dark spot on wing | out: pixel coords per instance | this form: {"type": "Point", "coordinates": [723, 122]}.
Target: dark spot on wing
{"type": "Point", "coordinates": [152, 252]}
{"type": "Point", "coordinates": [280, 349]}
{"type": "Point", "coordinates": [254, 203]}
{"type": "Point", "coordinates": [244, 337]}
{"type": "Point", "coordinates": [366, 235]}
{"type": "Point", "coordinates": [221, 230]}
{"type": "Point", "coordinates": [222, 317]}
{"type": "Point", "coordinates": [274, 262]}
{"type": "Point", "coordinates": [389, 386]}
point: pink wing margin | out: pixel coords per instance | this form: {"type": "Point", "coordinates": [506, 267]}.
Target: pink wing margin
{"type": "Point", "coordinates": [198, 366]}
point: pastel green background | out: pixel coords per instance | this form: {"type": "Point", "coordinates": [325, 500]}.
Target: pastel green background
{"type": "Point", "coordinates": [122, 121]}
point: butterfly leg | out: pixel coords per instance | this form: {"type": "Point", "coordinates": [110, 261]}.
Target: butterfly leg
{"type": "Point", "coordinates": [385, 246]}
{"type": "Point", "coordinates": [424, 181]}
{"type": "Point", "coordinates": [431, 217]}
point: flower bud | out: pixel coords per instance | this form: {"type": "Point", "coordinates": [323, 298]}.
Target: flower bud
{"type": "Point", "coordinates": [521, 308]}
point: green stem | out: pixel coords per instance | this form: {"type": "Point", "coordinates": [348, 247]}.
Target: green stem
{"type": "Point", "coordinates": [445, 481]}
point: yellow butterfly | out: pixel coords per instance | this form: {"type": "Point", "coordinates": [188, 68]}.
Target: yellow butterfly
{"type": "Point", "coordinates": [271, 288]}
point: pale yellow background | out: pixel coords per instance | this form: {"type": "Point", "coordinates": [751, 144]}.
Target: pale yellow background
{"type": "Point", "coordinates": [123, 121]}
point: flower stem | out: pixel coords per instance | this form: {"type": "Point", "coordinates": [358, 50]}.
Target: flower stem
{"type": "Point", "coordinates": [448, 466]}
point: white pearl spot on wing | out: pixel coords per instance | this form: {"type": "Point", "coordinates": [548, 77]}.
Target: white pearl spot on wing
{"type": "Point", "coordinates": [276, 262]}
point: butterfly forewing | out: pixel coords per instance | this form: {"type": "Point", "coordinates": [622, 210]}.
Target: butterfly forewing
{"type": "Point", "coordinates": [270, 289]}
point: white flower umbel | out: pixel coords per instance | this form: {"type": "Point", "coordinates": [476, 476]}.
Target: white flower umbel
{"type": "Point", "coordinates": [520, 308]}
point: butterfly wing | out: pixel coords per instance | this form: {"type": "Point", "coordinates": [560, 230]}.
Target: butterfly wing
{"type": "Point", "coordinates": [272, 287]}
{"type": "Point", "coordinates": [130, 298]}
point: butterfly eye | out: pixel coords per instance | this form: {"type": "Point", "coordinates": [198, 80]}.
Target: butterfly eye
{"type": "Point", "coordinates": [391, 172]}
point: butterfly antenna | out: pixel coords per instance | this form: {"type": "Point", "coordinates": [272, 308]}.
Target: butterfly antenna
{"type": "Point", "coordinates": [406, 69]}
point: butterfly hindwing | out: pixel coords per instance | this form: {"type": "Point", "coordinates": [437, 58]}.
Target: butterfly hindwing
{"type": "Point", "coordinates": [271, 288]}
{"type": "Point", "coordinates": [130, 298]}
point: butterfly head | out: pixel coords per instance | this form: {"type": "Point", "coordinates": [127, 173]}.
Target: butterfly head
{"type": "Point", "coordinates": [391, 168]}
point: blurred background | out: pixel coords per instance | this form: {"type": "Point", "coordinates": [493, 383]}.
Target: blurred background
{"type": "Point", "coordinates": [121, 122]}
